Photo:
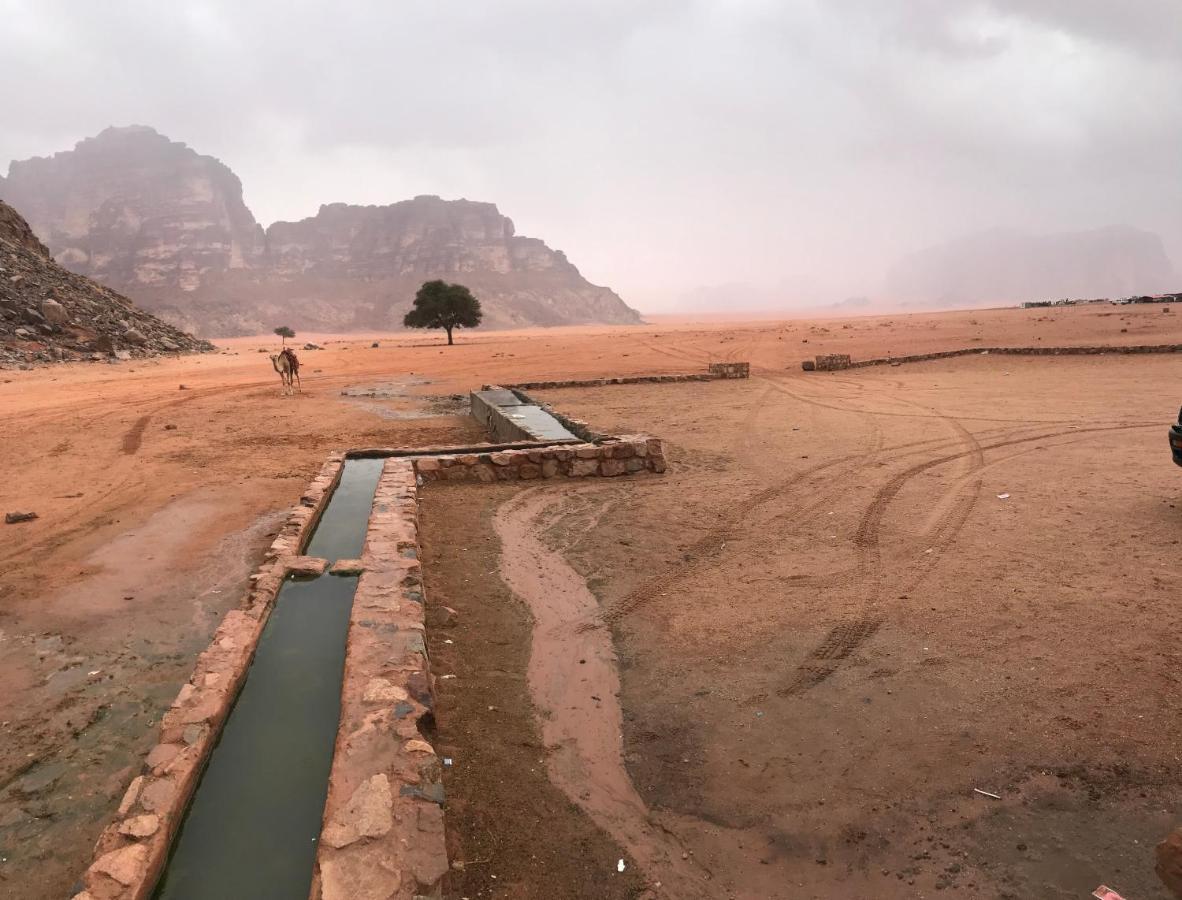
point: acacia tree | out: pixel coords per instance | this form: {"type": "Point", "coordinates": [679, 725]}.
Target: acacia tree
{"type": "Point", "coordinates": [284, 332]}
{"type": "Point", "coordinates": [442, 305]}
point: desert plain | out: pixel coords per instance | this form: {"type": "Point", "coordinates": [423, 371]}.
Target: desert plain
{"type": "Point", "coordinates": [906, 631]}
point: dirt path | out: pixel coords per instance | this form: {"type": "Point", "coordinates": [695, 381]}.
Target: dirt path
{"type": "Point", "coordinates": [575, 687]}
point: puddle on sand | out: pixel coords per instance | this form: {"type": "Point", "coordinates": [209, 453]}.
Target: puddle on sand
{"type": "Point", "coordinates": [574, 685]}
{"type": "Point", "coordinates": [253, 826]}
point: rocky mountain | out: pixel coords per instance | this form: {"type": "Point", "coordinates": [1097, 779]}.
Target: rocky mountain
{"type": "Point", "coordinates": [167, 226]}
{"type": "Point", "coordinates": [48, 313]}
{"type": "Point", "coordinates": [1004, 266]}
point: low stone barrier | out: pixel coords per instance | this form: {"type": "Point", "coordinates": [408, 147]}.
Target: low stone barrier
{"type": "Point", "coordinates": [382, 832]}
{"type": "Point", "coordinates": [1090, 350]}
{"type": "Point", "coordinates": [383, 819]}
{"type": "Point", "coordinates": [831, 362]}
{"type": "Point", "coordinates": [578, 427]}
{"type": "Point", "coordinates": [603, 382]}
{"type": "Point", "coordinates": [730, 370]}
{"type": "Point", "coordinates": [512, 416]}
{"type": "Point", "coordinates": [131, 852]}
{"type": "Point", "coordinates": [616, 456]}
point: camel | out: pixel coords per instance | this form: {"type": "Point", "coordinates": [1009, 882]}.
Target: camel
{"type": "Point", "coordinates": [287, 364]}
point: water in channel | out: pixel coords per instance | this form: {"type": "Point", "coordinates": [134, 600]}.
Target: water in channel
{"type": "Point", "coordinates": [253, 825]}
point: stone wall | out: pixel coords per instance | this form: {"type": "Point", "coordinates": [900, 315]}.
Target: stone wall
{"type": "Point", "coordinates": [616, 456]}
{"type": "Point", "coordinates": [514, 416]}
{"type": "Point", "coordinates": [1093, 350]}
{"type": "Point", "coordinates": [578, 427]}
{"type": "Point", "coordinates": [383, 819]}
{"type": "Point", "coordinates": [730, 370]}
{"type": "Point", "coordinates": [132, 850]}
{"type": "Point", "coordinates": [603, 382]}
{"type": "Point", "coordinates": [382, 833]}
{"type": "Point", "coordinates": [831, 362]}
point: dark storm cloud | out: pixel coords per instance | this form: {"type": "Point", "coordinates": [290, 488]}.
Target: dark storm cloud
{"type": "Point", "coordinates": [798, 147]}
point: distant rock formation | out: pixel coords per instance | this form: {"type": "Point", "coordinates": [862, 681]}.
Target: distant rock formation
{"type": "Point", "coordinates": [47, 313]}
{"type": "Point", "coordinates": [167, 226]}
{"type": "Point", "coordinates": [1004, 266]}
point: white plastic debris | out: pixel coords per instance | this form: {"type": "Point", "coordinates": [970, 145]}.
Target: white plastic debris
{"type": "Point", "coordinates": [986, 793]}
{"type": "Point", "coordinates": [1003, 496]}
{"type": "Point", "coordinates": [620, 866]}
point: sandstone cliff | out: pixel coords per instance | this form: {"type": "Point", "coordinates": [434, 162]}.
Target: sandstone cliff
{"type": "Point", "coordinates": [167, 226]}
{"type": "Point", "coordinates": [47, 313]}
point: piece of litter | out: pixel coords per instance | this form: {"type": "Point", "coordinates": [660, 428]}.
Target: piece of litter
{"type": "Point", "coordinates": [95, 672]}
{"type": "Point", "coordinates": [445, 677]}
{"type": "Point", "coordinates": [620, 866]}
{"type": "Point", "coordinates": [987, 794]}
{"type": "Point", "coordinates": [1104, 892]}
{"type": "Point", "coordinates": [447, 760]}
{"type": "Point", "coordinates": [448, 641]}
{"type": "Point", "coordinates": [1003, 496]}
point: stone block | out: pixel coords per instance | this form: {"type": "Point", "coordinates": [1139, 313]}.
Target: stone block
{"type": "Point", "coordinates": [583, 467]}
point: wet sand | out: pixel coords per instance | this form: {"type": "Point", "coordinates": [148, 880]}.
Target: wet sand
{"type": "Point", "coordinates": [828, 617]}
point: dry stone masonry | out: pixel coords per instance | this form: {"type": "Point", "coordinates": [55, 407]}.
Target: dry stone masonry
{"type": "Point", "coordinates": [832, 362]}
{"type": "Point", "coordinates": [132, 850]}
{"type": "Point", "coordinates": [382, 830]}
{"type": "Point", "coordinates": [714, 371]}
{"type": "Point", "coordinates": [383, 819]}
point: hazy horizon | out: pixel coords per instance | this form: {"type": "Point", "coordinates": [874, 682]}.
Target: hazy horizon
{"type": "Point", "coordinates": [790, 153]}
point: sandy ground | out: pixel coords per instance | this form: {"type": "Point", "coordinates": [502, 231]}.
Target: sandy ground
{"type": "Point", "coordinates": [830, 628]}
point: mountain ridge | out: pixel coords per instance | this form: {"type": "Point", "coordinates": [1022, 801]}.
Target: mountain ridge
{"type": "Point", "coordinates": [169, 227]}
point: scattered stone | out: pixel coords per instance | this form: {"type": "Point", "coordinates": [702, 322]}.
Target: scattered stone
{"type": "Point", "coordinates": [13, 517]}
{"type": "Point", "coordinates": [54, 312]}
{"type": "Point", "coordinates": [375, 344]}
{"type": "Point", "coordinates": [40, 298]}
{"type": "Point", "coordinates": [182, 387]}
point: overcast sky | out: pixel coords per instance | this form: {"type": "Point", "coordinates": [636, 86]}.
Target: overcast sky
{"type": "Point", "coordinates": [796, 146]}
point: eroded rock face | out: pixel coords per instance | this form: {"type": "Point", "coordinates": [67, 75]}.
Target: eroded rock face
{"type": "Point", "coordinates": [167, 226]}
{"type": "Point", "coordinates": [48, 314]}
{"type": "Point", "coordinates": [136, 211]}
